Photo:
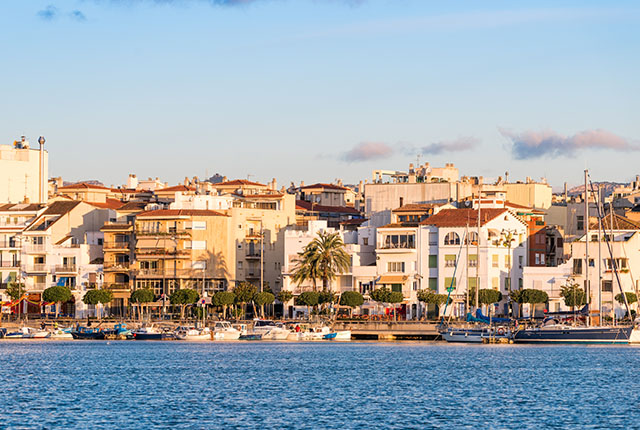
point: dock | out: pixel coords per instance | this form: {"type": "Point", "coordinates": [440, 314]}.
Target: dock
{"type": "Point", "coordinates": [389, 330]}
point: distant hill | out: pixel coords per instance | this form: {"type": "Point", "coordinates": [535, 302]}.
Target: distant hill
{"type": "Point", "coordinates": [606, 186]}
{"type": "Point", "coordinates": [88, 181]}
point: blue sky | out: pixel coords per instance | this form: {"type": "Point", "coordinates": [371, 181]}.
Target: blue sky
{"type": "Point", "coordinates": [314, 90]}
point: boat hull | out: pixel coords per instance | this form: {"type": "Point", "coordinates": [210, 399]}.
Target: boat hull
{"type": "Point", "coordinates": [464, 336]}
{"type": "Point", "coordinates": [604, 335]}
{"type": "Point", "coordinates": [154, 336]}
{"type": "Point", "coordinates": [88, 336]}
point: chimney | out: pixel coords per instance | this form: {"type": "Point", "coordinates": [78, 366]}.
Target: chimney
{"type": "Point", "coordinates": [274, 184]}
{"type": "Point", "coordinates": [132, 181]}
{"type": "Point", "coordinates": [301, 184]}
{"type": "Point", "coordinates": [185, 182]}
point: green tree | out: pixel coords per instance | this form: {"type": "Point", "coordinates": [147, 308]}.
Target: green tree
{"type": "Point", "coordinates": [141, 297]}
{"type": "Point", "coordinates": [324, 258]}
{"type": "Point", "coordinates": [533, 297]}
{"type": "Point", "coordinates": [58, 295]}
{"type": "Point", "coordinates": [263, 298]}
{"type": "Point", "coordinates": [353, 299]}
{"type": "Point", "coordinates": [224, 299]}
{"type": "Point", "coordinates": [517, 297]}
{"type": "Point", "coordinates": [573, 296]}
{"type": "Point", "coordinates": [381, 295]}
{"type": "Point", "coordinates": [184, 297]}
{"type": "Point", "coordinates": [95, 297]}
{"type": "Point", "coordinates": [308, 299]}
{"type": "Point", "coordinates": [326, 298]}
{"type": "Point", "coordinates": [488, 296]}
{"type": "Point", "coordinates": [284, 296]}
{"type": "Point", "coordinates": [631, 298]}
{"type": "Point", "coordinates": [244, 291]}
{"type": "Point", "coordinates": [430, 297]}
{"type": "Point", "coordinates": [14, 290]}
{"type": "Point", "coordinates": [394, 298]}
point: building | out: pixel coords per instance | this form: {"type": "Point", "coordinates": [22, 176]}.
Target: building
{"type": "Point", "coordinates": [23, 172]}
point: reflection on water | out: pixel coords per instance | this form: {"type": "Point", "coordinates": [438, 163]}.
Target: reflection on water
{"type": "Point", "coordinates": [315, 385]}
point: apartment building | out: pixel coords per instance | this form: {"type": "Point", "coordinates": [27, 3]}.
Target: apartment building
{"type": "Point", "coordinates": [23, 172]}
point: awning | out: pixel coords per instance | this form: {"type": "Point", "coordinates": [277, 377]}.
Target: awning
{"type": "Point", "coordinates": [392, 279]}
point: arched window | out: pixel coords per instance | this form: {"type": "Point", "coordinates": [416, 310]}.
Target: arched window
{"type": "Point", "coordinates": [452, 238]}
{"type": "Point", "coordinates": [471, 239]}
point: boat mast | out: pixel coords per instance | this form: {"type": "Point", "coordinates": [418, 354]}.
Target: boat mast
{"type": "Point", "coordinates": [598, 203]}
{"type": "Point", "coordinates": [478, 251]}
{"type": "Point", "coordinates": [466, 239]}
{"type": "Point", "coordinates": [586, 244]}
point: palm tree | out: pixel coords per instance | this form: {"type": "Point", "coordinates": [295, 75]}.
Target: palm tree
{"type": "Point", "coordinates": [324, 258]}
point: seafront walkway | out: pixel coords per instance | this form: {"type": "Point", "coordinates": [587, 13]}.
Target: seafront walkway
{"type": "Point", "coordinates": [388, 330]}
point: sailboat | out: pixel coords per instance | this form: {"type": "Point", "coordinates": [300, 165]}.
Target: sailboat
{"type": "Point", "coordinates": [553, 331]}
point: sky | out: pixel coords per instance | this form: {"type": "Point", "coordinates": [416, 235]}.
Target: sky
{"type": "Point", "coordinates": [316, 90]}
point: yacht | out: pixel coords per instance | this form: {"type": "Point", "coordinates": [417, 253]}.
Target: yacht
{"type": "Point", "coordinates": [193, 333]}
{"type": "Point", "coordinates": [553, 331]}
{"type": "Point", "coordinates": [270, 330]}
{"type": "Point", "coordinates": [223, 330]}
{"type": "Point", "coordinates": [152, 333]}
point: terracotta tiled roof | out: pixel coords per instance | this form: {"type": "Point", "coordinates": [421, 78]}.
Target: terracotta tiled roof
{"type": "Point", "coordinates": [259, 196]}
{"type": "Point", "coordinates": [175, 188]}
{"type": "Point", "coordinates": [133, 206]}
{"type": "Point", "coordinates": [308, 206]}
{"type": "Point", "coordinates": [83, 185]}
{"type": "Point", "coordinates": [516, 206]}
{"type": "Point", "coordinates": [178, 212]}
{"type": "Point", "coordinates": [462, 217]}
{"type": "Point", "coordinates": [354, 221]}
{"type": "Point", "coordinates": [619, 223]}
{"type": "Point", "coordinates": [109, 204]}
{"type": "Point", "coordinates": [238, 182]}
{"type": "Point", "coordinates": [124, 190]}
{"type": "Point", "coordinates": [414, 207]}
{"type": "Point", "coordinates": [61, 207]}
{"type": "Point", "coordinates": [29, 207]}
{"type": "Point", "coordinates": [400, 225]}
{"type": "Point", "coordinates": [325, 186]}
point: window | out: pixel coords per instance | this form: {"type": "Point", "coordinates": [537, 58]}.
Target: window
{"type": "Point", "coordinates": [542, 260]}
{"type": "Point", "coordinates": [452, 238]}
{"type": "Point", "coordinates": [507, 260]}
{"type": "Point", "coordinates": [495, 283]}
{"type": "Point", "coordinates": [607, 286]}
{"type": "Point", "coordinates": [449, 282]}
{"type": "Point", "coordinates": [473, 260]}
{"type": "Point", "coordinates": [472, 282]}
{"type": "Point", "coordinates": [449, 260]}
{"type": "Point", "coordinates": [472, 238]}
{"type": "Point", "coordinates": [433, 261]}
{"type": "Point", "coordinates": [433, 238]}
{"type": "Point", "coordinates": [537, 259]}
{"type": "Point", "coordinates": [577, 267]}
{"type": "Point", "coordinates": [100, 241]}
{"type": "Point", "coordinates": [396, 287]}
{"type": "Point", "coordinates": [199, 225]}
{"type": "Point", "coordinates": [494, 261]}
{"type": "Point", "coordinates": [520, 261]}
{"type": "Point", "coordinates": [365, 241]}
{"type": "Point", "coordinates": [580, 223]}
{"type": "Point", "coordinates": [239, 264]}
{"type": "Point", "coordinates": [395, 266]}
{"type": "Point", "coordinates": [507, 283]}
{"type": "Point", "coordinates": [199, 244]}
{"type": "Point", "coordinates": [394, 241]}
{"type": "Point", "coordinates": [433, 284]}
{"type": "Point", "coordinates": [199, 265]}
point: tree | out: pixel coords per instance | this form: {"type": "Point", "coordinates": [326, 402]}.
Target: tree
{"type": "Point", "coordinates": [488, 296]}
{"type": "Point", "coordinates": [57, 295]}
{"type": "Point", "coordinates": [224, 299]}
{"type": "Point", "coordinates": [184, 297]}
{"type": "Point", "coordinates": [308, 299]}
{"type": "Point", "coordinates": [326, 297]}
{"type": "Point", "coordinates": [142, 296]}
{"type": "Point", "coordinates": [14, 290]}
{"type": "Point", "coordinates": [263, 298]}
{"type": "Point", "coordinates": [517, 297]}
{"type": "Point", "coordinates": [395, 297]}
{"type": "Point", "coordinates": [244, 292]}
{"type": "Point", "coordinates": [430, 297]}
{"type": "Point", "coordinates": [381, 295]}
{"type": "Point", "coordinates": [533, 297]}
{"type": "Point", "coordinates": [284, 296]}
{"type": "Point", "coordinates": [324, 258]}
{"type": "Point", "coordinates": [353, 299]}
{"type": "Point", "coordinates": [631, 298]}
{"type": "Point", "coordinates": [94, 297]}
{"type": "Point", "coordinates": [573, 296]}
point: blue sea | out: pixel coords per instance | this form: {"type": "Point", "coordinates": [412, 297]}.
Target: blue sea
{"type": "Point", "coordinates": [355, 385]}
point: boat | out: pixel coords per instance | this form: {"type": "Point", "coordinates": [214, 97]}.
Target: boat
{"type": "Point", "coordinates": [87, 333]}
{"type": "Point", "coordinates": [316, 333]}
{"type": "Point", "coordinates": [60, 334]}
{"type": "Point", "coordinates": [553, 331]}
{"type": "Point", "coordinates": [20, 334]}
{"type": "Point", "coordinates": [270, 330]}
{"type": "Point", "coordinates": [468, 335]}
{"type": "Point", "coordinates": [338, 335]}
{"type": "Point", "coordinates": [119, 332]}
{"type": "Point", "coordinates": [193, 333]}
{"type": "Point", "coordinates": [250, 336]}
{"type": "Point", "coordinates": [223, 330]}
{"type": "Point", "coordinates": [153, 333]}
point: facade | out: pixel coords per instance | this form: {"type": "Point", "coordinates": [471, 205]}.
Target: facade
{"type": "Point", "coordinates": [23, 173]}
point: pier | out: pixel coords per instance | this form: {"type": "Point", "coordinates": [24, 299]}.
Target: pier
{"type": "Point", "coordinates": [390, 330]}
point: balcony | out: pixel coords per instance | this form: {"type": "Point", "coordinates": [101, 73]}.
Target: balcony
{"type": "Point", "coordinates": [37, 286]}
{"type": "Point", "coordinates": [168, 234]}
{"type": "Point", "coordinates": [253, 255]}
{"type": "Point", "coordinates": [117, 266]}
{"type": "Point", "coordinates": [116, 245]}
{"type": "Point", "coordinates": [162, 253]}
{"type": "Point", "coordinates": [66, 268]}
{"type": "Point", "coordinates": [31, 248]}
{"type": "Point", "coordinates": [117, 226]}
{"type": "Point", "coordinates": [8, 244]}
{"type": "Point", "coordinates": [168, 273]}
{"type": "Point", "coordinates": [9, 264]}
{"type": "Point", "coordinates": [253, 275]}
{"type": "Point", "coordinates": [118, 286]}
{"type": "Point", "coordinates": [37, 268]}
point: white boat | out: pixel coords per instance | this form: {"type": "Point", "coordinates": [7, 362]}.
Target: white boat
{"type": "Point", "coordinates": [317, 333]}
{"type": "Point", "coordinates": [193, 333]}
{"type": "Point", "coordinates": [463, 335]}
{"type": "Point", "coordinates": [60, 334]}
{"type": "Point", "coordinates": [223, 330]}
{"type": "Point", "coordinates": [19, 334]}
{"type": "Point", "coordinates": [343, 335]}
{"type": "Point", "coordinates": [28, 333]}
{"type": "Point", "coordinates": [269, 330]}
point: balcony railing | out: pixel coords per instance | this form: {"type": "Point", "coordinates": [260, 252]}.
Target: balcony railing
{"type": "Point", "coordinates": [4, 244]}
{"type": "Point", "coordinates": [66, 268]}
{"type": "Point", "coordinates": [253, 255]}
{"type": "Point", "coordinates": [116, 265]}
{"type": "Point", "coordinates": [169, 273]}
{"type": "Point", "coordinates": [397, 246]}
{"type": "Point", "coordinates": [35, 248]}
{"type": "Point", "coordinates": [38, 268]}
{"type": "Point", "coordinates": [168, 234]}
{"type": "Point", "coordinates": [37, 286]}
{"type": "Point", "coordinates": [116, 245]}
{"type": "Point", "coordinates": [5, 264]}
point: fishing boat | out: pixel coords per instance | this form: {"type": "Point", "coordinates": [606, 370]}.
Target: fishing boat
{"type": "Point", "coordinates": [153, 333]}
{"type": "Point", "coordinates": [119, 332]}
{"type": "Point", "coordinates": [193, 333]}
{"type": "Point", "coordinates": [338, 335]}
{"type": "Point", "coordinates": [223, 330]}
{"type": "Point", "coordinates": [87, 333]}
{"type": "Point", "coordinates": [60, 334]}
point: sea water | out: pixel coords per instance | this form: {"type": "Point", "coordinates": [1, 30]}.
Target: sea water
{"type": "Point", "coordinates": [265, 385]}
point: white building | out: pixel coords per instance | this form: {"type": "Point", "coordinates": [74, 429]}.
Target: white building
{"type": "Point", "coordinates": [23, 173]}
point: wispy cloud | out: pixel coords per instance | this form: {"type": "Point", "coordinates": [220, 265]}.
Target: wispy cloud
{"type": "Point", "coordinates": [536, 144]}
{"type": "Point", "coordinates": [48, 13]}
{"type": "Point", "coordinates": [366, 151]}
{"type": "Point", "coordinates": [456, 145]}
{"type": "Point", "coordinates": [77, 15]}
{"type": "Point", "coordinates": [217, 2]}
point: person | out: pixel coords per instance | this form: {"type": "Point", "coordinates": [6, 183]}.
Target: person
{"type": "Point", "coordinates": [297, 328]}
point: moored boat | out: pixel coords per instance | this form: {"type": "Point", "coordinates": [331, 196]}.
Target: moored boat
{"type": "Point", "coordinates": [338, 335]}
{"type": "Point", "coordinates": [87, 333]}
{"type": "Point", "coordinates": [559, 333]}
{"type": "Point", "coordinates": [152, 333]}
{"type": "Point", "coordinates": [223, 330]}
{"type": "Point", "coordinates": [193, 333]}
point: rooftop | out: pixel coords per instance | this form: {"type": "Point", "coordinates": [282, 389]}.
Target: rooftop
{"type": "Point", "coordinates": [463, 217]}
